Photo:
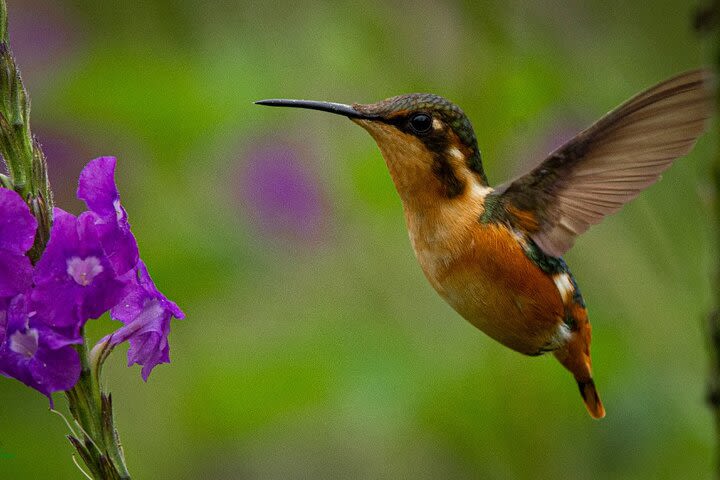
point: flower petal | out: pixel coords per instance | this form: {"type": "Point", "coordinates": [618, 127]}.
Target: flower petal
{"type": "Point", "coordinates": [29, 352]}
{"type": "Point", "coordinates": [17, 225]}
{"type": "Point", "coordinates": [15, 274]}
{"type": "Point", "coordinates": [74, 280]}
{"type": "Point", "coordinates": [55, 370]}
{"type": "Point", "coordinates": [142, 288]}
{"type": "Point", "coordinates": [63, 236]}
{"type": "Point", "coordinates": [146, 314]}
{"type": "Point", "coordinates": [97, 188]}
{"type": "Point", "coordinates": [3, 319]}
{"type": "Point", "coordinates": [119, 245]}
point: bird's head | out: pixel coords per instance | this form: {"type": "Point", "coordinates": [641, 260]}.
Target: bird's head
{"type": "Point", "coordinates": [427, 141]}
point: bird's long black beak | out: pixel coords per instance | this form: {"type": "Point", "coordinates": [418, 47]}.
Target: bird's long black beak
{"type": "Point", "coordinates": [336, 108]}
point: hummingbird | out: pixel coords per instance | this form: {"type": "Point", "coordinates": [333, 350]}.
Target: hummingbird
{"type": "Point", "coordinates": [495, 253]}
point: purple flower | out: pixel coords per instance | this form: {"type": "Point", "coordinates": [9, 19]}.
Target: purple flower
{"type": "Point", "coordinates": [29, 350]}
{"type": "Point", "coordinates": [32, 353]}
{"type": "Point", "coordinates": [90, 265]}
{"type": "Point", "coordinates": [145, 311]}
{"type": "Point", "coordinates": [17, 233]}
{"type": "Point", "coordinates": [3, 318]}
{"type": "Point", "coordinates": [74, 279]}
{"type": "Point", "coordinates": [146, 314]}
{"type": "Point", "coordinates": [97, 188]}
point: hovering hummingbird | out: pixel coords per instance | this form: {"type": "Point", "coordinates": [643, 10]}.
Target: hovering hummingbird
{"type": "Point", "coordinates": [495, 253]}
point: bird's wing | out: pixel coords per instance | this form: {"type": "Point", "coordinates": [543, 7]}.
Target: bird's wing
{"type": "Point", "coordinates": [610, 163]}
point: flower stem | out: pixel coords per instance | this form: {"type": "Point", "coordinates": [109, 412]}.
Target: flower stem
{"type": "Point", "coordinates": [99, 446]}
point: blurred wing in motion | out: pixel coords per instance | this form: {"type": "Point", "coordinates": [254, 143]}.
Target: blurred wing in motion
{"type": "Point", "coordinates": [610, 163]}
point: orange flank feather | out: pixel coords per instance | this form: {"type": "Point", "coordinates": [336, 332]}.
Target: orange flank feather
{"type": "Point", "coordinates": [499, 290]}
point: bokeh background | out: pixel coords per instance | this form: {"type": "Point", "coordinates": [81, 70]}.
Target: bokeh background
{"type": "Point", "coordinates": [313, 347]}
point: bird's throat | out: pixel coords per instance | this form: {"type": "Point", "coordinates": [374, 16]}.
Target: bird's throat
{"type": "Point", "coordinates": [424, 176]}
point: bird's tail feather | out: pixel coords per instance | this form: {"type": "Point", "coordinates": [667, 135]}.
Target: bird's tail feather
{"type": "Point", "coordinates": [591, 398]}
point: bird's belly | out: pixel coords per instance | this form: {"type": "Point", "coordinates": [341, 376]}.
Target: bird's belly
{"type": "Point", "coordinates": [494, 286]}
{"type": "Point", "coordinates": [522, 322]}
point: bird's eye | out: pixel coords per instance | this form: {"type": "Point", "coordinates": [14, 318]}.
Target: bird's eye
{"type": "Point", "coordinates": [421, 123]}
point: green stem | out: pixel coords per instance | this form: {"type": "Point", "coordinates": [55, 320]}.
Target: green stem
{"type": "Point", "coordinates": [99, 446]}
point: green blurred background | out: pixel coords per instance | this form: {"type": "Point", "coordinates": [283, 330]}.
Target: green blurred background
{"type": "Point", "coordinates": [313, 346]}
